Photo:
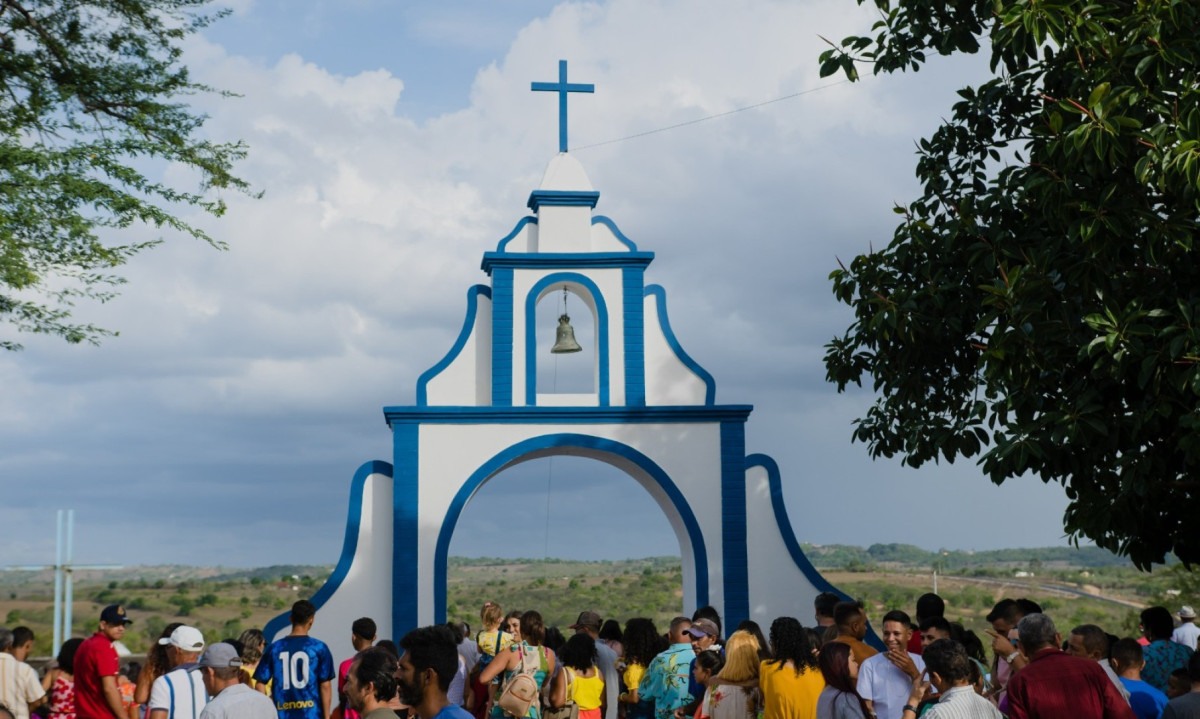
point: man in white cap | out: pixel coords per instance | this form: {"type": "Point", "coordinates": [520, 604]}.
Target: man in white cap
{"type": "Point", "coordinates": [1187, 632]}
{"type": "Point", "coordinates": [221, 667]}
{"type": "Point", "coordinates": [180, 693]}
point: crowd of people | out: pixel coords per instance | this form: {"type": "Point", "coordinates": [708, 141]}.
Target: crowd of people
{"type": "Point", "coordinates": [514, 667]}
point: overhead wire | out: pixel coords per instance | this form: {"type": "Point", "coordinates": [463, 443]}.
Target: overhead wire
{"type": "Point", "coordinates": [699, 120]}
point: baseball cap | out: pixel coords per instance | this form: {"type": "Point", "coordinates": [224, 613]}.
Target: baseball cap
{"type": "Point", "coordinates": [220, 655]}
{"type": "Point", "coordinates": [703, 627]}
{"type": "Point", "coordinates": [189, 639]}
{"type": "Point", "coordinates": [1187, 612]}
{"type": "Point", "coordinates": [587, 619]}
{"type": "Point", "coordinates": [114, 614]}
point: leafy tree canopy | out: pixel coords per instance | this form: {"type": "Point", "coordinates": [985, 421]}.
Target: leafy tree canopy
{"type": "Point", "coordinates": [1039, 304]}
{"type": "Point", "coordinates": [91, 95]}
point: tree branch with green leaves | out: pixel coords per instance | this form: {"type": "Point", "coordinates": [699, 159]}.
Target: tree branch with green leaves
{"type": "Point", "coordinates": [1037, 305]}
{"type": "Point", "coordinates": [91, 105]}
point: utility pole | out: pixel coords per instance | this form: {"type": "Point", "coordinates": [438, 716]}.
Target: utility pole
{"type": "Point", "coordinates": [64, 585]}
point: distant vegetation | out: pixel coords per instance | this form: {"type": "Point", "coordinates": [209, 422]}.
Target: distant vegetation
{"type": "Point", "coordinates": [561, 589]}
{"type": "Point", "coordinates": [843, 556]}
{"type": "Point", "coordinates": [1074, 585]}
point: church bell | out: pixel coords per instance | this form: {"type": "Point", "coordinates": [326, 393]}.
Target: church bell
{"type": "Point", "coordinates": [564, 336]}
{"type": "Point", "coordinates": [564, 339]}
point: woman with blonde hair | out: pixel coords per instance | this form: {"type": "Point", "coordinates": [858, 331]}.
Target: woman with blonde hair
{"type": "Point", "coordinates": [253, 643]}
{"type": "Point", "coordinates": [733, 693]}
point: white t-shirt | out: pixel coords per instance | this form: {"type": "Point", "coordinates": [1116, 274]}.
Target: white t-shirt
{"type": "Point", "coordinates": [180, 693]}
{"type": "Point", "coordinates": [1186, 633]}
{"type": "Point", "coordinates": [886, 685]}
{"type": "Point", "coordinates": [19, 685]}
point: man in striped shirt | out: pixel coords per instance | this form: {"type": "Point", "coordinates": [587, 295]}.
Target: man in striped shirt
{"type": "Point", "coordinates": [949, 670]}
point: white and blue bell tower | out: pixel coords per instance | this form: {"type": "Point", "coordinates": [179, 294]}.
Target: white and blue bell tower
{"type": "Point", "coordinates": [652, 413]}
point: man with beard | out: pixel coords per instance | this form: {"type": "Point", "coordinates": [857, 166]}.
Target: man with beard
{"type": "Point", "coordinates": [424, 673]}
{"type": "Point", "coordinates": [371, 684]}
{"type": "Point", "coordinates": [885, 680]}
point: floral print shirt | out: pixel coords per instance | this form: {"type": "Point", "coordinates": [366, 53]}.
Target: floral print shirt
{"type": "Point", "coordinates": [666, 680]}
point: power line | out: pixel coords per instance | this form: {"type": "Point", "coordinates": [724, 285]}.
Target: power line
{"type": "Point", "coordinates": [710, 117]}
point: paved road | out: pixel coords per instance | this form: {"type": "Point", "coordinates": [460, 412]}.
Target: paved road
{"type": "Point", "coordinates": [1062, 589]}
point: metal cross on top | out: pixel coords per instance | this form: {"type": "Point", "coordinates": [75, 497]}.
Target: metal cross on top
{"type": "Point", "coordinates": [562, 87]}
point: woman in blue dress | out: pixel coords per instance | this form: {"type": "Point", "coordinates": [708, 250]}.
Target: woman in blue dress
{"type": "Point", "coordinates": [529, 653]}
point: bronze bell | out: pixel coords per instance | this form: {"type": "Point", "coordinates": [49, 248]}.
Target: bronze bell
{"type": "Point", "coordinates": [564, 338]}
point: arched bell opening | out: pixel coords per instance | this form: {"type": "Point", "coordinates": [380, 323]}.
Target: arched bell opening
{"type": "Point", "coordinates": [566, 378]}
{"type": "Point", "coordinates": [565, 319]}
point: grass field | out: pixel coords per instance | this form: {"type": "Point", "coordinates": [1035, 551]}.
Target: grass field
{"type": "Point", "coordinates": [224, 602]}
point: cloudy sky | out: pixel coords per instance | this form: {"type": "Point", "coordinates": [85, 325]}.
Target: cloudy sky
{"type": "Point", "coordinates": [397, 141]}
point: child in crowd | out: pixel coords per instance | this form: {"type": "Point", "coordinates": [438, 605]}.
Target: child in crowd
{"type": "Point", "coordinates": [707, 664]}
{"type": "Point", "coordinates": [492, 640]}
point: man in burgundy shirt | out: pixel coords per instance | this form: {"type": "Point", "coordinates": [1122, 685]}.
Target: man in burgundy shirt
{"type": "Point", "coordinates": [96, 665]}
{"type": "Point", "coordinates": [1055, 684]}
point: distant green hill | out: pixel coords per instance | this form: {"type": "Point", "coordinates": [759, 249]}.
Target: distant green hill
{"type": "Point", "coordinates": [845, 556]}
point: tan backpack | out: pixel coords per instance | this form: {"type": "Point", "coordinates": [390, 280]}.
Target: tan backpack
{"type": "Point", "coordinates": [521, 690]}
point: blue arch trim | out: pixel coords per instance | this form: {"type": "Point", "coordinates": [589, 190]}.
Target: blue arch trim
{"type": "Point", "coordinates": [502, 337]}
{"type": "Point", "coordinates": [500, 247]}
{"type": "Point", "coordinates": [775, 482]}
{"type": "Point", "coordinates": [604, 220]}
{"type": "Point", "coordinates": [583, 441]}
{"type": "Point", "coordinates": [710, 385]}
{"type": "Point", "coordinates": [349, 544]}
{"type": "Point", "coordinates": [560, 260]}
{"type": "Point", "coordinates": [398, 416]}
{"type": "Point", "coordinates": [531, 334]}
{"type": "Point", "coordinates": [562, 198]}
{"type": "Point", "coordinates": [463, 335]}
{"type": "Point", "coordinates": [634, 325]}
{"type": "Point", "coordinates": [734, 555]}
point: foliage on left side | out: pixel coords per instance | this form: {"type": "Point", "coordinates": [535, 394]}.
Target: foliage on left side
{"type": "Point", "coordinates": [91, 111]}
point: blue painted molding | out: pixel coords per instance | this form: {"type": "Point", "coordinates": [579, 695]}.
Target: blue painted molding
{"type": "Point", "coordinates": [562, 198]}
{"type": "Point", "coordinates": [539, 445]}
{"type": "Point", "coordinates": [502, 337]}
{"type": "Point", "coordinates": [531, 354]}
{"type": "Point", "coordinates": [734, 552]}
{"type": "Point", "coordinates": [349, 545]}
{"type": "Point", "coordinates": [503, 244]}
{"type": "Point", "coordinates": [556, 260]}
{"type": "Point", "coordinates": [665, 414]}
{"type": "Point", "coordinates": [406, 527]}
{"type": "Point", "coordinates": [710, 385]}
{"type": "Point", "coordinates": [634, 326]}
{"type": "Point", "coordinates": [775, 483]}
{"type": "Point", "coordinates": [604, 220]}
{"type": "Point", "coordinates": [463, 335]}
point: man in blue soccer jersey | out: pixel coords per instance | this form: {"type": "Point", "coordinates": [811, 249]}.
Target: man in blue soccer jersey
{"type": "Point", "coordinates": [300, 669]}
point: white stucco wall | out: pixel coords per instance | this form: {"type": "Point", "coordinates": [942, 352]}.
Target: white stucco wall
{"type": "Point", "coordinates": [778, 587]}
{"type": "Point", "coordinates": [668, 379]}
{"type": "Point", "coordinates": [603, 240]}
{"type": "Point", "coordinates": [366, 590]}
{"type": "Point", "coordinates": [689, 454]}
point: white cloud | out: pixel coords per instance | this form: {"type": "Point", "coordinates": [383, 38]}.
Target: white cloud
{"type": "Point", "coordinates": [347, 279]}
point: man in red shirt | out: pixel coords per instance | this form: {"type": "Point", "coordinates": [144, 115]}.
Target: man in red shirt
{"type": "Point", "coordinates": [1055, 684]}
{"type": "Point", "coordinates": [96, 693]}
